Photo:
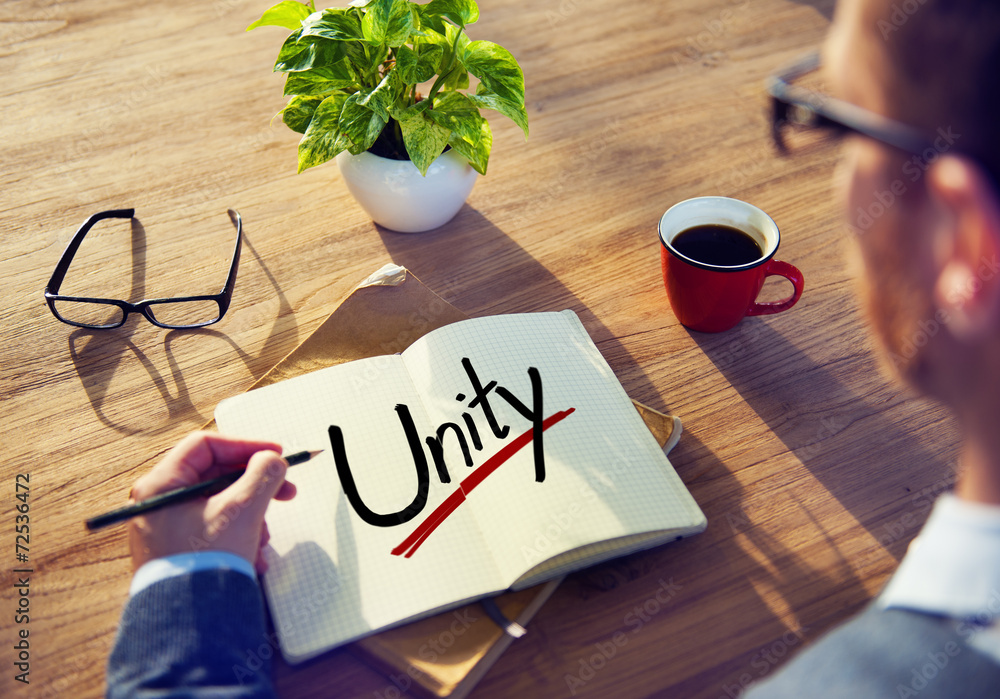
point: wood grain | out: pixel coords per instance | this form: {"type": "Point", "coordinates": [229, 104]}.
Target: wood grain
{"type": "Point", "coordinates": [814, 470]}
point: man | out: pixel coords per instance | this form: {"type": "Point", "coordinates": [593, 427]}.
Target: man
{"type": "Point", "coordinates": [194, 622]}
{"type": "Point", "coordinates": [927, 225]}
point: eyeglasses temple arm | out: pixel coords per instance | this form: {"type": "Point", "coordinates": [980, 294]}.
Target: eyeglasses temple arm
{"type": "Point", "coordinates": [227, 290]}
{"type": "Point", "coordinates": [56, 280]}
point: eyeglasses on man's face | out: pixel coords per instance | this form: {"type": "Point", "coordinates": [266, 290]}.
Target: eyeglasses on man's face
{"type": "Point", "coordinates": [797, 109]}
{"type": "Point", "coordinates": [103, 313]}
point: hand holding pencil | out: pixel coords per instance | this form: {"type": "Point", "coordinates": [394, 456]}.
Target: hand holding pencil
{"type": "Point", "coordinates": [230, 520]}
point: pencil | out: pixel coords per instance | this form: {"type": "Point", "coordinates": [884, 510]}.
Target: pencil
{"type": "Point", "coordinates": [172, 497]}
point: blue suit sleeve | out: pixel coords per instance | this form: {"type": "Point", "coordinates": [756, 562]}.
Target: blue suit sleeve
{"type": "Point", "coordinates": [195, 635]}
{"type": "Point", "coordinates": [887, 653]}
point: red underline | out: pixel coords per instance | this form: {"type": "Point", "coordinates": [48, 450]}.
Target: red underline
{"type": "Point", "coordinates": [451, 503]}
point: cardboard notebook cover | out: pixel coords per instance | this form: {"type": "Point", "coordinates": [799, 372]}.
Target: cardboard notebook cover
{"type": "Point", "coordinates": [384, 315]}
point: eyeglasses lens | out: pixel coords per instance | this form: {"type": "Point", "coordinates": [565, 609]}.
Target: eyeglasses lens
{"type": "Point", "coordinates": [89, 313]}
{"type": "Point", "coordinates": [185, 313]}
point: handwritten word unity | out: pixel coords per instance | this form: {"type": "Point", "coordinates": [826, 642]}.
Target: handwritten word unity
{"type": "Point", "coordinates": [481, 395]}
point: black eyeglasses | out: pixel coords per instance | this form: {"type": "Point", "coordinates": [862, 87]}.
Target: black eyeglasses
{"type": "Point", "coordinates": [180, 312]}
{"type": "Point", "coordinates": [802, 109]}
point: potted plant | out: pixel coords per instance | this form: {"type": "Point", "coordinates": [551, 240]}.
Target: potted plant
{"type": "Point", "coordinates": [383, 86]}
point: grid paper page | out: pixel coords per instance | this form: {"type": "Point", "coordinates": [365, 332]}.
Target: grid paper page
{"type": "Point", "coordinates": [331, 576]}
{"type": "Point", "coordinates": [334, 577]}
{"type": "Point", "coordinates": [605, 475]}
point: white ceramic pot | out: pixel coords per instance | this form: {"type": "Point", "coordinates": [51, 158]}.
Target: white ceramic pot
{"type": "Point", "coordinates": [396, 196]}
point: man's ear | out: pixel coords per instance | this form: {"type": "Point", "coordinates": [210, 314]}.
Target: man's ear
{"type": "Point", "coordinates": [967, 285]}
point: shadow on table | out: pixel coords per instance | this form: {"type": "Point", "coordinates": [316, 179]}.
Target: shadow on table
{"type": "Point", "coordinates": [468, 259]}
{"type": "Point", "coordinates": [840, 436]}
{"type": "Point", "coordinates": [759, 576]}
{"type": "Point", "coordinates": [722, 568]}
{"type": "Point", "coordinates": [723, 583]}
{"type": "Point", "coordinates": [99, 354]}
{"type": "Point", "coordinates": [712, 484]}
{"type": "Point", "coordinates": [824, 7]}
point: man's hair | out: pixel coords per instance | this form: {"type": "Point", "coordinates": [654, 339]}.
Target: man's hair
{"type": "Point", "coordinates": [945, 56]}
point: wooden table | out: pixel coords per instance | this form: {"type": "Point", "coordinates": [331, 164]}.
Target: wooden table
{"type": "Point", "coordinates": [813, 469]}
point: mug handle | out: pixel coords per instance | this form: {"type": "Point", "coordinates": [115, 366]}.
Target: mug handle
{"type": "Point", "coordinates": [777, 268]}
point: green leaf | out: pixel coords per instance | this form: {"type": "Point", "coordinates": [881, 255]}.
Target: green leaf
{"type": "Point", "coordinates": [452, 74]}
{"type": "Point", "coordinates": [418, 65]}
{"type": "Point", "coordinates": [427, 21]}
{"type": "Point", "coordinates": [388, 22]}
{"type": "Point", "coordinates": [456, 112]}
{"type": "Point", "coordinates": [424, 140]}
{"type": "Point", "coordinates": [458, 79]}
{"type": "Point", "coordinates": [307, 53]}
{"type": "Point", "coordinates": [366, 59]}
{"type": "Point", "coordinates": [360, 124]}
{"type": "Point", "coordinates": [497, 69]}
{"type": "Point", "coordinates": [299, 112]}
{"type": "Point", "coordinates": [288, 14]}
{"type": "Point", "coordinates": [455, 39]}
{"type": "Point", "coordinates": [515, 112]}
{"type": "Point", "coordinates": [290, 49]}
{"type": "Point", "coordinates": [446, 39]}
{"type": "Point", "coordinates": [320, 81]}
{"type": "Point", "coordinates": [334, 24]}
{"type": "Point", "coordinates": [323, 140]}
{"type": "Point", "coordinates": [461, 12]}
{"type": "Point", "coordinates": [382, 99]}
{"type": "Point", "coordinates": [477, 152]}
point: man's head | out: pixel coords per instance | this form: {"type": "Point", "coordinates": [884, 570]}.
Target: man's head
{"type": "Point", "coordinates": [928, 225]}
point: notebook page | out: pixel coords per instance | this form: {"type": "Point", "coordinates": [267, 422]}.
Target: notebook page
{"type": "Point", "coordinates": [332, 577]}
{"type": "Point", "coordinates": [604, 474]}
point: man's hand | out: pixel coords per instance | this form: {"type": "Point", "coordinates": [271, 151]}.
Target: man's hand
{"type": "Point", "coordinates": [232, 520]}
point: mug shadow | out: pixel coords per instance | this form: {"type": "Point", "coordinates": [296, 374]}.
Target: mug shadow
{"type": "Point", "coordinates": [716, 490]}
{"type": "Point", "coordinates": [837, 434]}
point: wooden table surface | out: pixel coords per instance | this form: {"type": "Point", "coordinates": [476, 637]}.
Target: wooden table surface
{"type": "Point", "coordinates": [813, 469]}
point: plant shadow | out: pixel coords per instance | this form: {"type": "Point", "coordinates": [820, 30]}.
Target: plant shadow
{"type": "Point", "coordinates": [470, 257]}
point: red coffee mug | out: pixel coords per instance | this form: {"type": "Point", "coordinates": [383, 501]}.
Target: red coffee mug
{"type": "Point", "coordinates": [713, 298]}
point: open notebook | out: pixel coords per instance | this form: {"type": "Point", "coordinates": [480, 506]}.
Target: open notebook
{"type": "Point", "coordinates": [391, 523]}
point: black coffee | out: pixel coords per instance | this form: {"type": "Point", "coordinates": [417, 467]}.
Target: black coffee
{"type": "Point", "coordinates": [713, 244]}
